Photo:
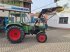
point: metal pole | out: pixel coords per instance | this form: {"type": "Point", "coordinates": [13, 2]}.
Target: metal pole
{"type": "Point", "coordinates": [21, 18]}
{"type": "Point", "coordinates": [9, 15]}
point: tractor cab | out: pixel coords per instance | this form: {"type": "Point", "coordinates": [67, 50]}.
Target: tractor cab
{"type": "Point", "coordinates": [21, 19]}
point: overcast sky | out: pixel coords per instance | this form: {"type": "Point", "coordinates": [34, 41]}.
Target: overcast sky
{"type": "Point", "coordinates": [38, 5]}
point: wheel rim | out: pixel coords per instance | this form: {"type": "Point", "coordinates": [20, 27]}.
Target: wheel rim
{"type": "Point", "coordinates": [14, 34]}
{"type": "Point", "coordinates": [41, 37]}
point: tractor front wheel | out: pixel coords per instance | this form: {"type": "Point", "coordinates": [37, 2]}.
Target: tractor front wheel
{"type": "Point", "coordinates": [15, 34]}
{"type": "Point", "coordinates": [41, 37]}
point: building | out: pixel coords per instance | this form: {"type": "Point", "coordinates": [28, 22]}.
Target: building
{"type": "Point", "coordinates": [22, 3]}
{"type": "Point", "coordinates": [61, 19]}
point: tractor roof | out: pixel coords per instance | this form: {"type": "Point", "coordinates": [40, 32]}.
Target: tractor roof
{"type": "Point", "coordinates": [13, 8]}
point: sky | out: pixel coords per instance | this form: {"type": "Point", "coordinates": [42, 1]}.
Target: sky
{"type": "Point", "coordinates": [38, 5]}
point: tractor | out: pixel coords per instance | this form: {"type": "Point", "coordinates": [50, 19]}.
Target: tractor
{"type": "Point", "coordinates": [18, 24]}
{"type": "Point", "coordinates": [16, 31]}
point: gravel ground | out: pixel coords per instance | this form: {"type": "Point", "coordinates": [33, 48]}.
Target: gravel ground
{"type": "Point", "coordinates": [58, 41]}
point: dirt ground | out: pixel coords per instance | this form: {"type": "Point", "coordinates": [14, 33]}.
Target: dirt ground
{"type": "Point", "coordinates": [58, 41]}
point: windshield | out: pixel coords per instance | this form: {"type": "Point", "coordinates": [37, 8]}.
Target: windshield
{"type": "Point", "coordinates": [26, 18]}
{"type": "Point", "coordinates": [20, 18]}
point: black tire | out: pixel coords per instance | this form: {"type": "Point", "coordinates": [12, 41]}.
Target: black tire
{"type": "Point", "coordinates": [17, 32]}
{"type": "Point", "coordinates": [42, 36]}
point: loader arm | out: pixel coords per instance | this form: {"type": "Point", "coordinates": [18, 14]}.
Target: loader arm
{"type": "Point", "coordinates": [50, 10]}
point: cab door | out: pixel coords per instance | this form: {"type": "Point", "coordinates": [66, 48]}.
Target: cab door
{"type": "Point", "coordinates": [26, 23]}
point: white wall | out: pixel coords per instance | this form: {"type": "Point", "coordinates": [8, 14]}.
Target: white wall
{"type": "Point", "coordinates": [54, 21]}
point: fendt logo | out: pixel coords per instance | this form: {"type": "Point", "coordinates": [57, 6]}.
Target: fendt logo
{"type": "Point", "coordinates": [16, 8]}
{"type": "Point", "coordinates": [20, 9]}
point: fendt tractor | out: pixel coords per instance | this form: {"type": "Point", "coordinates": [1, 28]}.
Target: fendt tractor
{"type": "Point", "coordinates": [17, 24]}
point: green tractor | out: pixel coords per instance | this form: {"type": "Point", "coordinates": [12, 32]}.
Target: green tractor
{"type": "Point", "coordinates": [17, 24]}
{"type": "Point", "coordinates": [21, 26]}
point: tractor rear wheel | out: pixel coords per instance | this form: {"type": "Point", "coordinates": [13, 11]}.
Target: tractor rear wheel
{"type": "Point", "coordinates": [41, 37]}
{"type": "Point", "coordinates": [15, 34]}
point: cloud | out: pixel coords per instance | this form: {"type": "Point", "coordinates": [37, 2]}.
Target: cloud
{"type": "Point", "coordinates": [62, 2]}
